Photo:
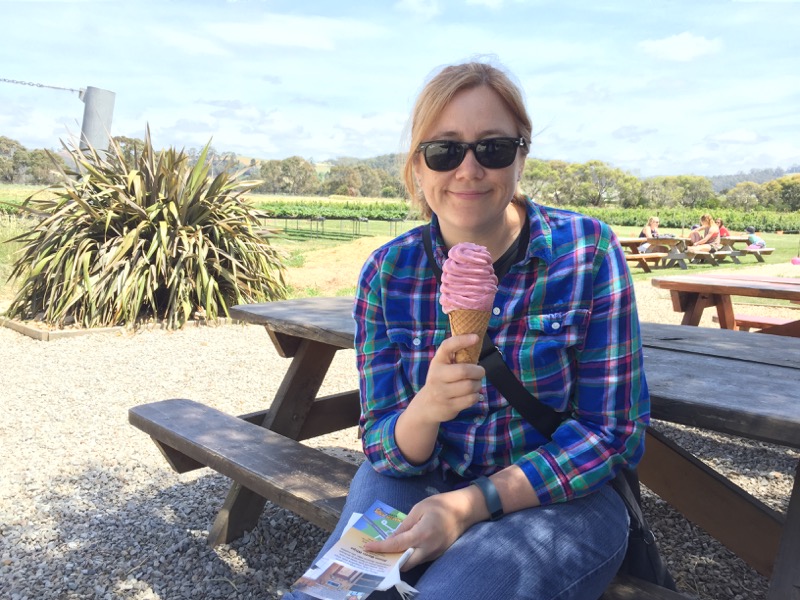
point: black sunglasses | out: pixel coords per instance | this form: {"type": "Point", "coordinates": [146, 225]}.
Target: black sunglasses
{"type": "Point", "coordinates": [492, 153]}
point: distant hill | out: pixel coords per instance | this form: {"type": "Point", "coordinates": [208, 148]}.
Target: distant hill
{"type": "Point", "coordinates": [722, 183]}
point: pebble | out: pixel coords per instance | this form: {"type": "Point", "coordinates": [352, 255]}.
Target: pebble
{"type": "Point", "coordinates": [90, 509]}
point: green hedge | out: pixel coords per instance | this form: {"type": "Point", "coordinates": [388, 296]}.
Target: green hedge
{"type": "Point", "coordinates": [376, 211]}
{"type": "Point", "coordinates": [677, 218]}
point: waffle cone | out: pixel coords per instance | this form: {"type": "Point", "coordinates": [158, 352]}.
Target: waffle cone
{"type": "Point", "coordinates": [469, 321]}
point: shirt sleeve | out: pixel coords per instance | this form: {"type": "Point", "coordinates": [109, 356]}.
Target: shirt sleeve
{"type": "Point", "coordinates": [384, 388]}
{"type": "Point", "coordinates": [609, 407]}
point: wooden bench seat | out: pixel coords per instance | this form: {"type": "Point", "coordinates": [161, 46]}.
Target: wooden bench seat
{"type": "Point", "coordinates": [308, 482]}
{"type": "Point", "coordinates": [748, 322]}
{"type": "Point", "coordinates": [646, 256]}
{"type": "Point", "coordinates": [714, 258]}
{"type": "Point", "coordinates": [758, 252]}
{"type": "Point", "coordinates": [304, 480]}
{"type": "Point", "coordinates": [642, 258]}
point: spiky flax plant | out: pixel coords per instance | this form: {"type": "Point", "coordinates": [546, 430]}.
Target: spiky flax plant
{"type": "Point", "coordinates": [157, 239]}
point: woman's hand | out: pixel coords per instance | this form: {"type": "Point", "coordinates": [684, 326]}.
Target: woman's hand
{"type": "Point", "coordinates": [449, 387]}
{"type": "Point", "coordinates": [433, 525]}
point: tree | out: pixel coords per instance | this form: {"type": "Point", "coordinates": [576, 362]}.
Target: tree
{"type": "Point", "coordinates": [8, 148]}
{"type": "Point", "coordinates": [343, 180]}
{"type": "Point", "coordinates": [744, 196]}
{"type": "Point", "coordinates": [539, 179]}
{"type": "Point", "coordinates": [36, 166]}
{"type": "Point", "coordinates": [784, 193]}
{"type": "Point", "coordinates": [370, 181]}
{"type": "Point", "coordinates": [696, 191]}
{"type": "Point", "coordinates": [130, 148]}
{"type": "Point", "coordinates": [298, 176]}
{"type": "Point", "coordinates": [272, 177]}
{"type": "Point", "coordinates": [661, 192]}
{"type": "Point", "coordinates": [595, 183]}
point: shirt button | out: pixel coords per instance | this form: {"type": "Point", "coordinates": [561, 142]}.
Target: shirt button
{"type": "Point", "coordinates": [466, 457]}
{"type": "Point", "coordinates": [416, 341]}
{"type": "Point", "coordinates": [556, 326]}
{"type": "Point", "coordinates": [495, 311]}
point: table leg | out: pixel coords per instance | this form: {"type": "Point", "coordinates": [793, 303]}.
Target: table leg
{"type": "Point", "coordinates": [727, 320]}
{"type": "Point", "coordinates": [724, 510]}
{"type": "Point", "coordinates": [298, 390]}
{"type": "Point", "coordinates": [692, 304]}
{"type": "Point", "coordinates": [785, 584]}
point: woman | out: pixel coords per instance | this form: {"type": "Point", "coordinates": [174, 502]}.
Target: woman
{"type": "Point", "coordinates": [650, 231]}
{"type": "Point", "coordinates": [565, 320]}
{"type": "Point", "coordinates": [706, 237]}
{"type": "Point", "coordinates": [723, 231]}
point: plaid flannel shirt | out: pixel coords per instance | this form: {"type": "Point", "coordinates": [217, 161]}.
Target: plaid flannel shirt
{"type": "Point", "coordinates": [565, 321]}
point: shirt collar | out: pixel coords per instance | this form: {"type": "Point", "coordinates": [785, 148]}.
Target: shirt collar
{"type": "Point", "coordinates": [540, 244]}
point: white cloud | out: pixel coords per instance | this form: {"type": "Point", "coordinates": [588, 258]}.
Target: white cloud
{"type": "Point", "coordinates": [188, 43]}
{"type": "Point", "coordinates": [736, 136]}
{"type": "Point", "coordinates": [493, 4]}
{"type": "Point", "coordinates": [683, 47]}
{"type": "Point", "coordinates": [426, 9]}
{"type": "Point", "coordinates": [311, 32]}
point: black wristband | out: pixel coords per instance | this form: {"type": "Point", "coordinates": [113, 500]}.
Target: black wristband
{"type": "Point", "coordinates": [491, 496]}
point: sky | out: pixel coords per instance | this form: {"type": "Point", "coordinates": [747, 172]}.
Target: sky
{"type": "Point", "coordinates": [653, 87]}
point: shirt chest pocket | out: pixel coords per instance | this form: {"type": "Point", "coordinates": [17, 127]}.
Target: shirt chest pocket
{"type": "Point", "coordinates": [549, 346]}
{"type": "Point", "coordinates": [416, 348]}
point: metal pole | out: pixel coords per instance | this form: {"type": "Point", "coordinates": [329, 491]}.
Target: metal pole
{"type": "Point", "coordinates": [97, 114]}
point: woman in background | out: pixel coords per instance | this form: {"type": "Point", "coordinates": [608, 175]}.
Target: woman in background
{"type": "Point", "coordinates": [706, 237]}
{"type": "Point", "coordinates": [650, 231]}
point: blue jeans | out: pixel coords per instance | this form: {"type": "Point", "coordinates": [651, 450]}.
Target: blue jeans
{"type": "Point", "coordinates": [565, 551]}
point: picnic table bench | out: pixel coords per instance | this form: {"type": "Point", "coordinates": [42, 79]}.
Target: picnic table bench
{"type": "Point", "coordinates": [759, 253]}
{"type": "Point", "coordinates": [261, 452]}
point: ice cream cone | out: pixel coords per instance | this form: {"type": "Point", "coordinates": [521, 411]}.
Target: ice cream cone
{"type": "Point", "coordinates": [469, 321]}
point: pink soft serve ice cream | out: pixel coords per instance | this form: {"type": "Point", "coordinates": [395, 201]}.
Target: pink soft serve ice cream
{"type": "Point", "coordinates": [467, 293]}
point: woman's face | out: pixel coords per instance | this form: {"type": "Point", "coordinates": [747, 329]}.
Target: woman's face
{"type": "Point", "coordinates": [470, 200]}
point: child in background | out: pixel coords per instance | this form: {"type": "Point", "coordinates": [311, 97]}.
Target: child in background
{"type": "Point", "coordinates": [755, 242]}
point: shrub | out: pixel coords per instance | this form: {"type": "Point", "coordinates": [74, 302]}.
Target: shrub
{"type": "Point", "coordinates": [158, 239]}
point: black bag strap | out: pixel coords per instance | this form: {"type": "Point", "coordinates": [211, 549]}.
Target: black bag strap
{"type": "Point", "coordinates": [544, 418]}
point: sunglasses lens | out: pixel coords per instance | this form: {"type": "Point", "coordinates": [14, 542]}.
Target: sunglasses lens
{"type": "Point", "coordinates": [497, 153]}
{"type": "Point", "coordinates": [444, 156]}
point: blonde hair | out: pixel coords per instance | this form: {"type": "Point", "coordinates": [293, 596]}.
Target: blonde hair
{"type": "Point", "coordinates": [435, 97]}
{"type": "Point", "coordinates": [706, 218]}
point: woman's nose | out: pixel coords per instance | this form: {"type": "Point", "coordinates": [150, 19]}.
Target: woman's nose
{"type": "Point", "coordinates": [469, 167]}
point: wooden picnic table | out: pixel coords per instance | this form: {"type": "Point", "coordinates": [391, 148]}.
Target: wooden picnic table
{"type": "Point", "coordinates": [692, 294]}
{"type": "Point", "coordinates": [675, 255]}
{"type": "Point", "coordinates": [695, 378]}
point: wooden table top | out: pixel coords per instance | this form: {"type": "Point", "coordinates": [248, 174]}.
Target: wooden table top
{"type": "Point", "coordinates": [635, 241]}
{"type": "Point", "coordinates": [782, 288]}
{"type": "Point", "coordinates": [728, 381]}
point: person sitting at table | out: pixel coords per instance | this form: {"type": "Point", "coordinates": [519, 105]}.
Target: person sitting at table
{"type": "Point", "coordinates": [650, 231]}
{"type": "Point", "coordinates": [566, 323]}
{"type": "Point", "coordinates": [723, 231]}
{"type": "Point", "coordinates": [706, 237]}
{"type": "Point", "coordinates": [754, 242]}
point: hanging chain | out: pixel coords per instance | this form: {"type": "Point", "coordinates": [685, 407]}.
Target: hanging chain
{"type": "Point", "coordinates": [39, 85]}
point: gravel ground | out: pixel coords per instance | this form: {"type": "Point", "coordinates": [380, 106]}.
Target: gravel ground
{"type": "Point", "coordinates": [89, 508]}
